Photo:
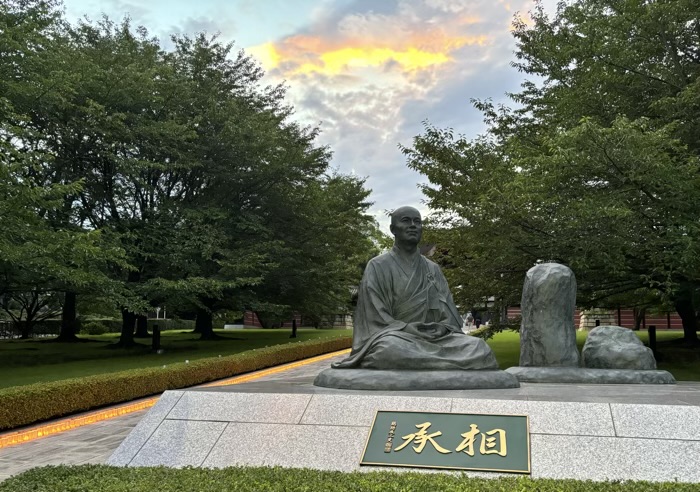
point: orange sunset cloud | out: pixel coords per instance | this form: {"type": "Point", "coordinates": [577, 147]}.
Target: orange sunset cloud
{"type": "Point", "coordinates": [304, 54]}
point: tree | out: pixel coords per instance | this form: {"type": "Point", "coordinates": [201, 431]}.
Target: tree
{"type": "Point", "coordinates": [25, 309]}
{"type": "Point", "coordinates": [40, 256]}
{"type": "Point", "coordinates": [597, 168]}
{"type": "Point", "coordinates": [325, 238]}
{"type": "Point", "coordinates": [108, 124]}
{"type": "Point", "coordinates": [248, 153]}
{"type": "Point", "coordinates": [180, 168]}
{"type": "Point", "coordinates": [253, 229]}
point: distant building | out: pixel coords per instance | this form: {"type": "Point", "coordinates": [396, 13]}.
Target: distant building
{"type": "Point", "coordinates": [587, 320]}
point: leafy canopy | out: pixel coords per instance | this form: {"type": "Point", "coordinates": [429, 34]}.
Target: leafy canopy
{"type": "Point", "coordinates": [596, 167]}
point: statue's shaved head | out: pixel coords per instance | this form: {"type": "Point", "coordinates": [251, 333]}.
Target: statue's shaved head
{"type": "Point", "coordinates": [401, 211]}
{"type": "Point", "coordinates": [407, 228]}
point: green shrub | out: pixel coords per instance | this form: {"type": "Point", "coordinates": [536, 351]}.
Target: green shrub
{"type": "Point", "coordinates": [114, 479]}
{"type": "Point", "coordinates": [114, 325]}
{"type": "Point", "coordinates": [94, 328]}
{"type": "Point", "coordinates": [494, 327]}
{"type": "Point", "coordinates": [22, 405]}
{"type": "Point", "coordinates": [46, 327]}
{"type": "Point", "coordinates": [110, 325]}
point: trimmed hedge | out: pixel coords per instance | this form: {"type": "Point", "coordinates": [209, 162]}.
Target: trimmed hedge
{"type": "Point", "coordinates": [22, 405]}
{"type": "Point", "coordinates": [114, 325]}
{"type": "Point", "coordinates": [113, 479]}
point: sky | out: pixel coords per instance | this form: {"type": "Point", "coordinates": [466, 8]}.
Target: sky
{"type": "Point", "coordinates": [369, 73]}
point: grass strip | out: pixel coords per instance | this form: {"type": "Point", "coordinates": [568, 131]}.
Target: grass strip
{"type": "Point", "coordinates": [112, 479]}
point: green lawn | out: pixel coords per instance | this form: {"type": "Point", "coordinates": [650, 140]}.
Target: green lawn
{"type": "Point", "coordinates": [29, 361]}
{"type": "Point", "coordinates": [136, 479]}
{"type": "Point", "coordinates": [683, 363]}
{"type": "Point", "coordinates": [32, 361]}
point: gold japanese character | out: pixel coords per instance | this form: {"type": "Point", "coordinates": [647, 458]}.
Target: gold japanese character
{"type": "Point", "coordinates": [467, 445]}
{"type": "Point", "coordinates": [488, 444]}
{"type": "Point", "coordinates": [421, 438]}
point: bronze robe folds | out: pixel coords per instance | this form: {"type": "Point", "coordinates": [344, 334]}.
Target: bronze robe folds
{"type": "Point", "coordinates": [406, 319]}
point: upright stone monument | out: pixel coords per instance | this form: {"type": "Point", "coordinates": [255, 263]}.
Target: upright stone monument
{"type": "Point", "coordinates": [407, 330]}
{"type": "Point", "coordinates": [547, 332]}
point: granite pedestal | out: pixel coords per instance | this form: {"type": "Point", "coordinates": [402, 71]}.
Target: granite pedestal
{"type": "Point", "coordinates": [291, 423]}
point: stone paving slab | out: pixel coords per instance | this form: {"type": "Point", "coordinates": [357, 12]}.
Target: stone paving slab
{"type": "Point", "coordinates": [70, 447]}
{"type": "Point", "coordinates": [165, 445]}
{"type": "Point", "coordinates": [240, 407]}
{"type": "Point", "coordinates": [322, 447]}
{"type": "Point", "coordinates": [361, 409]}
{"type": "Point", "coordinates": [581, 419]}
{"type": "Point", "coordinates": [678, 422]}
{"type": "Point", "coordinates": [581, 375]}
{"type": "Point", "coordinates": [146, 426]}
{"type": "Point", "coordinates": [614, 458]}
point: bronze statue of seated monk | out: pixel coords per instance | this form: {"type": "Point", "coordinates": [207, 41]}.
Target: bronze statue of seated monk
{"type": "Point", "coordinates": [406, 321]}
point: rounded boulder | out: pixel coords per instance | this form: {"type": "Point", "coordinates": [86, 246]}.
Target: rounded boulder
{"type": "Point", "coordinates": [615, 347]}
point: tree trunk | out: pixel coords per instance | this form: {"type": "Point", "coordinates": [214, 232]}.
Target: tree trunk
{"type": "Point", "coordinates": [197, 328]}
{"type": "Point", "coordinates": [126, 339]}
{"type": "Point", "coordinates": [141, 326]}
{"type": "Point", "coordinates": [266, 321]}
{"type": "Point", "coordinates": [69, 321]}
{"type": "Point", "coordinates": [686, 310]}
{"type": "Point", "coordinates": [204, 325]}
{"type": "Point", "coordinates": [639, 315]}
{"type": "Point", "coordinates": [25, 329]}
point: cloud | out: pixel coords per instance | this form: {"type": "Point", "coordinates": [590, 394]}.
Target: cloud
{"type": "Point", "coordinates": [116, 10]}
{"type": "Point", "coordinates": [219, 25]}
{"type": "Point", "coordinates": [370, 72]}
{"type": "Point", "coordinates": [401, 42]}
{"type": "Point", "coordinates": [367, 71]}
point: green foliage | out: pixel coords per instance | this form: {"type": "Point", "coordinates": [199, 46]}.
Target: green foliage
{"type": "Point", "coordinates": [94, 328]}
{"type": "Point", "coordinates": [325, 240]}
{"type": "Point", "coordinates": [44, 250]}
{"type": "Point", "coordinates": [598, 168]}
{"type": "Point", "coordinates": [22, 405]}
{"type": "Point", "coordinates": [496, 326]}
{"type": "Point", "coordinates": [122, 479]}
{"type": "Point", "coordinates": [172, 324]}
{"type": "Point", "coordinates": [113, 325]}
{"type": "Point", "coordinates": [133, 174]}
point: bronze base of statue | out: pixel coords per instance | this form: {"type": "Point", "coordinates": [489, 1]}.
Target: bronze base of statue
{"type": "Point", "coordinates": [404, 380]}
{"type": "Point", "coordinates": [582, 375]}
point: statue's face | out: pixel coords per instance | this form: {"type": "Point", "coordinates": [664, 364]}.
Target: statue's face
{"type": "Point", "coordinates": [406, 225]}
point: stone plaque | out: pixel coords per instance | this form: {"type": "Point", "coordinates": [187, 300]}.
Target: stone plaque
{"type": "Point", "coordinates": [498, 443]}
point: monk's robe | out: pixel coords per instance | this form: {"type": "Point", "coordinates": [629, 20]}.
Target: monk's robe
{"type": "Point", "coordinates": [406, 319]}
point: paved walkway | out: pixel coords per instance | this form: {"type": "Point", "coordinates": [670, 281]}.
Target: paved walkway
{"type": "Point", "coordinates": [92, 443]}
{"type": "Point", "coordinates": [95, 443]}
